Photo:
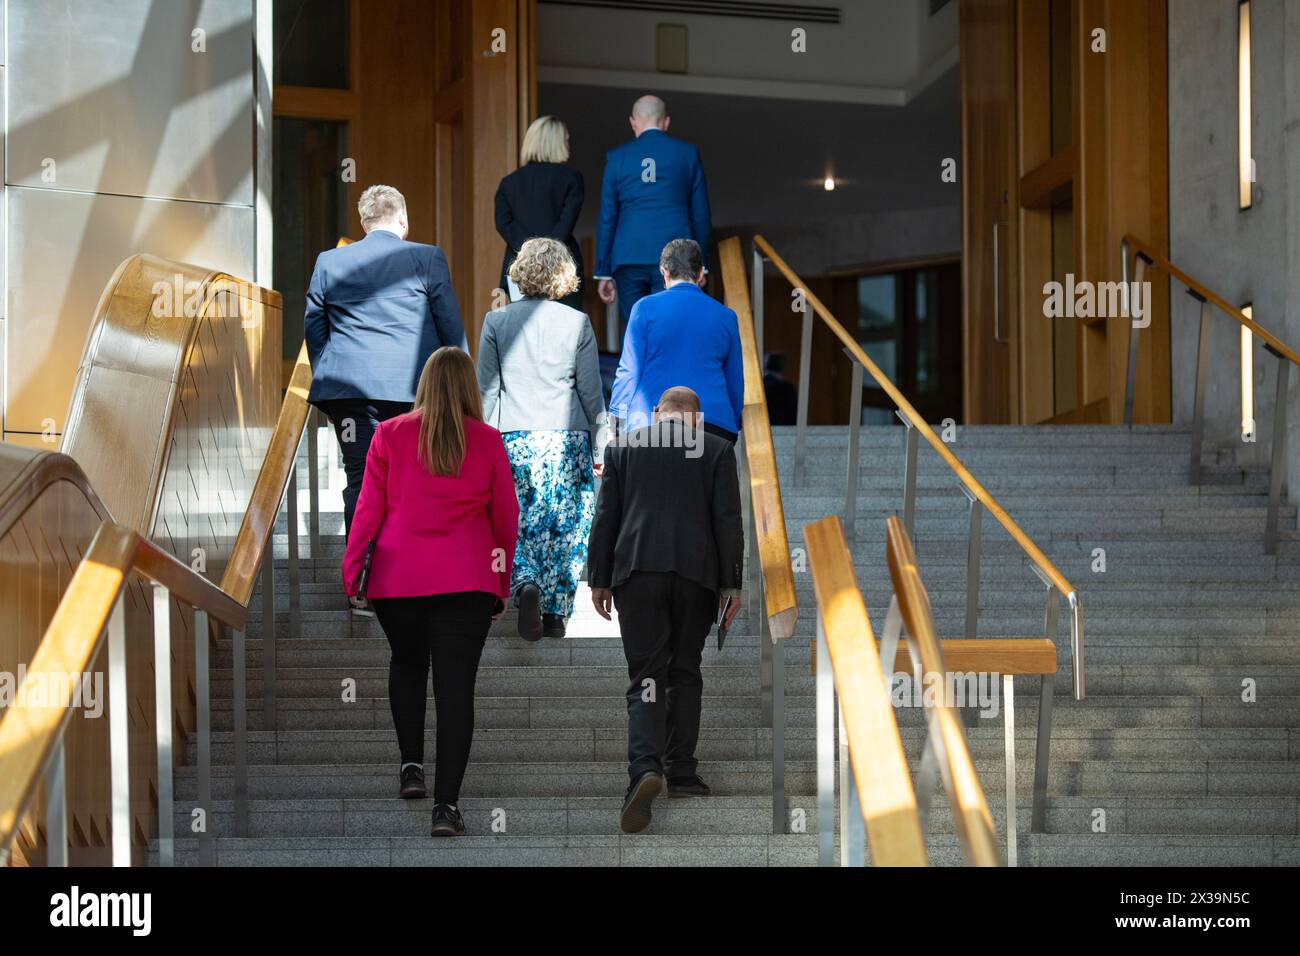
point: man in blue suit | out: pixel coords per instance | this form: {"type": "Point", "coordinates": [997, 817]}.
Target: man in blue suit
{"type": "Point", "coordinates": [681, 337]}
{"type": "Point", "coordinates": [653, 192]}
{"type": "Point", "coordinates": [376, 310]}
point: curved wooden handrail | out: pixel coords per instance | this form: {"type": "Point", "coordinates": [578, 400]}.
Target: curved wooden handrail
{"type": "Point", "coordinates": [875, 748]}
{"type": "Point", "coordinates": [765, 488]}
{"type": "Point", "coordinates": [73, 639]}
{"type": "Point", "coordinates": [253, 541]}
{"type": "Point", "coordinates": [970, 811]}
{"type": "Point", "coordinates": [1162, 263]}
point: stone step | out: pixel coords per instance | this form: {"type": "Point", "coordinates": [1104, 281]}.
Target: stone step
{"type": "Point", "coordinates": [1097, 712]}
{"type": "Point", "coordinates": [578, 745]}
{"type": "Point", "coordinates": [586, 816]}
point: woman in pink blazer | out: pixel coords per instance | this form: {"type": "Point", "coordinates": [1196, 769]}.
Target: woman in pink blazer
{"type": "Point", "coordinates": [438, 502]}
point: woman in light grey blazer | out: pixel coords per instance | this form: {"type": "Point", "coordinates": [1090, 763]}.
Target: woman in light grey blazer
{"type": "Point", "coordinates": [539, 373]}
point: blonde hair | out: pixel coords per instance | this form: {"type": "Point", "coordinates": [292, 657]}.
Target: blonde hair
{"type": "Point", "coordinates": [544, 269]}
{"type": "Point", "coordinates": [380, 204]}
{"type": "Point", "coordinates": [447, 394]}
{"type": "Point", "coordinates": [545, 142]}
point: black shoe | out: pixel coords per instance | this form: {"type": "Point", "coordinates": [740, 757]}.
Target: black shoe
{"type": "Point", "coordinates": [447, 821]}
{"type": "Point", "coordinates": [412, 783]}
{"type": "Point", "coordinates": [641, 794]}
{"type": "Point", "coordinates": [552, 625]}
{"type": "Point", "coordinates": [529, 601]}
{"type": "Point", "coordinates": [691, 786]}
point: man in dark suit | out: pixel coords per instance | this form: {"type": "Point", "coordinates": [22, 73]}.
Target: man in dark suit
{"type": "Point", "coordinates": [653, 192]}
{"type": "Point", "coordinates": [667, 548]}
{"type": "Point", "coordinates": [376, 310]}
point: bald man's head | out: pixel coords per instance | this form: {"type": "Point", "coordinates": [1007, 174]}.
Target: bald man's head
{"type": "Point", "coordinates": [649, 112]}
{"type": "Point", "coordinates": [678, 402]}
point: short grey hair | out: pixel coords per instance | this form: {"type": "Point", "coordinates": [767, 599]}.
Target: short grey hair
{"type": "Point", "coordinates": [682, 259]}
{"type": "Point", "coordinates": [380, 204]}
{"type": "Point", "coordinates": [649, 107]}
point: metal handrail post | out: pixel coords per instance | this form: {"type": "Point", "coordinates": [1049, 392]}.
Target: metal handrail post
{"type": "Point", "coordinates": [825, 686]}
{"type": "Point", "coordinates": [756, 304]}
{"type": "Point", "coordinates": [119, 737]}
{"type": "Point", "coordinates": [909, 477]}
{"type": "Point", "coordinates": [239, 693]}
{"type": "Point", "coordinates": [973, 565]}
{"type": "Point", "coordinates": [56, 808]}
{"type": "Point", "coordinates": [1278, 453]}
{"type": "Point", "coordinates": [1198, 400]}
{"type": "Point", "coordinates": [855, 438]}
{"type": "Point", "coordinates": [1009, 744]}
{"type": "Point", "coordinates": [270, 650]}
{"type": "Point", "coordinates": [295, 569]}
{"type": "Point", "coordinates": [1130, 378]}
{"type": "Point", "coordinates": [778, 727]}
{"type": "Point", "coordinates": [313, 483]}
{"type": "Point", "coordinates": [805, 385]}
{"type": "Point", "coordinates": [203, 735]}
{"type": "Point", "coordinates": [162, 672]}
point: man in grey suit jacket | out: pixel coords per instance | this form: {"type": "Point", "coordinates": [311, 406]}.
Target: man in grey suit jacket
{"type": "Point", "coordinates": [667, 547]}
{"type": "Point", "coordinates": [376, 310]}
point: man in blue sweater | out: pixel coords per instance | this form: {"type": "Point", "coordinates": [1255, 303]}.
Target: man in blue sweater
{"type": "Point", "coordinates": [653, 191]}
{"type": "Point", "coordinates": [681, 336]}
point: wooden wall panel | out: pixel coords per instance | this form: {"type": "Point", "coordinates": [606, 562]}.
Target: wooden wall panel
{"type": "Point", "coordinates": [989, 198]}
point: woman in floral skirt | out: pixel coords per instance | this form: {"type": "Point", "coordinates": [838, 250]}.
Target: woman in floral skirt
{"type": "Point", "coordinates": [539, 374]}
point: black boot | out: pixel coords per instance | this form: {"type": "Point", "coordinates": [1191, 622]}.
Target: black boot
{"type": "Point", "coordinates": [552, 625]}
{"type": "Point", "coordinates": [529, 601]}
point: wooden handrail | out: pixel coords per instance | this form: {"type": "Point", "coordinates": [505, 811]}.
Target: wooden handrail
{"type": "Point", "coordinates": [1162, 263]}
{"type": "Point", "coordinates": [875, 747]}
{"type": "Point", "coordinates": [760, 454]}
{"type": "Point", "coordinates": [970, 811]}
{"type": "Point", "coordinates": [914, 418]}
{"type": "Point", "coordinates": [253, 541]}
{"type": "Point", "coordinates": [74, 637]}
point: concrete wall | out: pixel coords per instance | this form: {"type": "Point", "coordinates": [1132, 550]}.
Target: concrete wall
{"type": "Point", "coordinates": [126, 132]}
{"type": "Point", "coordinates": [1251, 255]}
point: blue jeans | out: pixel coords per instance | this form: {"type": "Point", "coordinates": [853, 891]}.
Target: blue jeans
{"type": "Point", "coordinates": [634, 283]}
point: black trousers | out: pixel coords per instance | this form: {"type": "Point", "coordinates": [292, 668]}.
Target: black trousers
{"type": "Point", "coordinates": [354, 421]}
{"type": "Point", "coordinates": [447, 631]}
{"type": "Point", "coordinates": [664, 619]}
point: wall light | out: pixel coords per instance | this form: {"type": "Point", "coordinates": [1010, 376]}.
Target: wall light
{"type": "Point", "coordinates": [1247, 377]}
{"type": "Point", "coordinates": [1245, 162]}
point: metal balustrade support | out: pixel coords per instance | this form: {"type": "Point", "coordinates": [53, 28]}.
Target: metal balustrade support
{"type": "Point", "coordinates": [1278, 463]}
{"type": "Point", "coordinates": [295, 571]}
{"type": "Point", "coordinates": [756, 304]}
{"type": "Point", "coordinates": [805, 385]}
{"type": "Point", "coordinates": [854, 836]}
{"type": "Point", "coordinates": [766, 662]}
{"type": "Point", "coordinates": [1009, 744]}
{"type": "Point", "coordinates": [855, 438]}
{"type": "Point", "coordinates": [973, 565]}
{"type": "Point", "coordinates": [1046, 692]}
{"type": "Point", "coordinates": [825, 689]}
{"type": "Point", "coordinates": [846, 787]}
{"type": "Point", "coordinates": [909, 477]}
{"type": "Point", "coordinates": [1139, 273]}
{"type": "Point", "coordinates": [119, 737]}
{"type": "Point", "coordinates": [239, 704]}
{"type": "Point", "coordinates": [56, 808]}
{"type": "Point", "coordinates": [778, 728]}
{"type": "Point", "coordinates": [203, 736]}
{"type": "Point", "coordinates": [927, 777]}
{"type": "Point", "coordinates": [313, 481]}
{"type": "Point", "coordinates": [162, 673]}
{"type": "Point", "coordinates": [270, 649]}
{"type": "Point", "coordinates": [750, 596]}
{"type": "Point", "coordinates": [1198, 401]}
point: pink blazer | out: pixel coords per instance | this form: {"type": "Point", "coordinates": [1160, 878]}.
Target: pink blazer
{"type": "Point", "coordinates": [434, 534]}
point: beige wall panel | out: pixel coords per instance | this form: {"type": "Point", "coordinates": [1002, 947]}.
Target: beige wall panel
{"type": "Point", "coordinates": [70, 244]}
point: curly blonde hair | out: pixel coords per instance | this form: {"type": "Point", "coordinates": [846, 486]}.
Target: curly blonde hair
{"type": "Point", "coordinates": [544, 269]}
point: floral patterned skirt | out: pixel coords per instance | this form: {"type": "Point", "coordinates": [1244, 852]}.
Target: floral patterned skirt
{"type": "Point", "coordinates": [557, 500]}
